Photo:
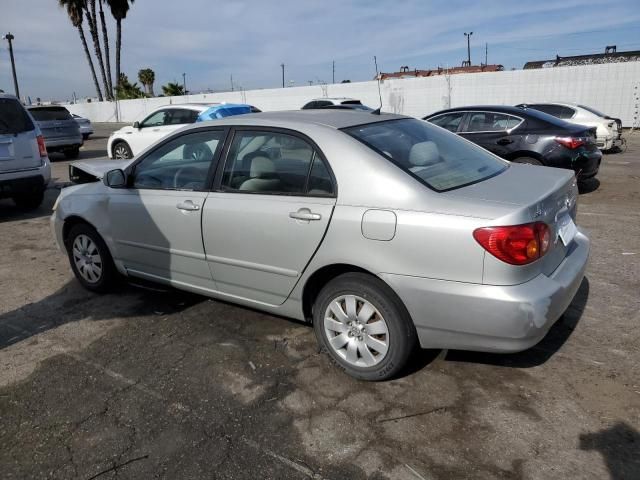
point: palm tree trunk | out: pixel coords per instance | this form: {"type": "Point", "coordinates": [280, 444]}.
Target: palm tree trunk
{"type": "Point", "coordinates": [105, 37]}
{"type": "Point", "coordinates": [118, 47]}
{"type": "Point", "coordinates": [93, 29]}
{"type": "Point", "coordinates": [88, 54]}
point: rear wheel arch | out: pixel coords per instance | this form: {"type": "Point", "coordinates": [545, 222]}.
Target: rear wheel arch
{"type": "Point", "coordinates": [115, 144]}
{"type": "Point", "coordinates": [321, 277]}
{"type": "Point", "coordinates": [526, 153]}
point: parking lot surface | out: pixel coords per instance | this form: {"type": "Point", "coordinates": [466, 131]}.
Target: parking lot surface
{"type": "Point", "coordinates": [154, 383]}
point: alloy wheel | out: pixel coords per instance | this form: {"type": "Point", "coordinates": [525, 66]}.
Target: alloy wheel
{"type": "Point", "coordinates": [356, 331]}
{"type": "Point", "coordinates": [121, 152]}
{"type": "Point", "coordinates": [87, 259]}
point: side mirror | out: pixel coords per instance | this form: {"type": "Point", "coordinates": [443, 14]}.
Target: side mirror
{"type": "Point", "coordinates": [115, 179]}
{"type": "Point", "coordinates": [136, 125]}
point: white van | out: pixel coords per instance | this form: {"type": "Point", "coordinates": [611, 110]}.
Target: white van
{"type": "Point", "coordinates": [25, 170]}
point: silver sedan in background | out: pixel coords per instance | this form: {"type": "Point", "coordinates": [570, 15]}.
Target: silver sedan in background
{"type": "Point", "coordinates": [383, 231]}
{"type": "Point", "coordinates": [86, 129]}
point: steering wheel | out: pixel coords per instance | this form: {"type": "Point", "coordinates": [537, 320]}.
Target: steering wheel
{"type": "Point", "coordinates": [191, 172]}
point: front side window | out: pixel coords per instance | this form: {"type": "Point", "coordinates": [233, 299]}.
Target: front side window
{"type": "Point", "coordinates": [180, 164]}
{"type": "Point", "coordinates": [275, 163]}
{"type": "Point", "coordinates": [449, 121]}
{"type": "Point", "coordinates": [438, 159]}
{"type": "Point", "coordinates": [156, 119]}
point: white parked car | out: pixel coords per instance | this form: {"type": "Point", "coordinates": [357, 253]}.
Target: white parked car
{"type": "Point", "coordinates": [608, 129]}
{"type": "Point", "coordinates": [129, 141]}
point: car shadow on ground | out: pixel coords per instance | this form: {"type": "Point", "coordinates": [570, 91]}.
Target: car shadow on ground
{"type": "Point", "coordinates": [589, 185]}
{"type": "Point", "coordinates": [619, 446]}
{"type": "Point", "coordinates": [535, 356]}
{"type": "Point", "coordinates": [73, 303]}
{"type": "Point", "coordinates": [9, 212]}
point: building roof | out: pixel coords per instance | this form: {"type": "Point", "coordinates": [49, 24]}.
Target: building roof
{"type": "Point", "coordinates": [590, 59]}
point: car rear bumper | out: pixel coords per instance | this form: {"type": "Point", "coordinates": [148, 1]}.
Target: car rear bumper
{"type": "Point", "coordinates": [60, 143]}
{"type": "Point", "coordinates": [25, 181]}
{"type": "Point", "coordinates": [491, 318]}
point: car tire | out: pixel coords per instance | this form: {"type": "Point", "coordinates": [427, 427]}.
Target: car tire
{"type": "Point", "coordinates": [85, 136]}
{"type": "Point", "coordinates": [358, 317]}
{"type": "Point", "coordinates": [527, 161]}
{"type": "Point", "coordinates": [121, 151]}
{"type": "Point", "coordinates": [29, 201]}
{"type": "Point", "coordinates": [72, 153]}
{"type": "Point", "coordinates": [83, 245]}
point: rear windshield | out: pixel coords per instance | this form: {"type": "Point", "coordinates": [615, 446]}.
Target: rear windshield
{"type": "Point", "coordinates": [439, 159]}
{"type": "Point", "coordinates": [13, 117]}
{"type": "Point", "coordinates": [46, 114]}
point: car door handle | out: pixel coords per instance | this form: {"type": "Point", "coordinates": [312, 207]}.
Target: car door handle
{"type": "Point", "coordinates": [305, 214]}
{"type": "Point", "coordinates": [504, 141]}
{"type": "Point", "coordinates": [188, 206]}
{"type": "Point", "coordinates": [156, 129]}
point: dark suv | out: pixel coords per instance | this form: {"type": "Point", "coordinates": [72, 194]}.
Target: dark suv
{"type": "Point", "coordinates": [525, 135]}
{"type": "Point", "coordinates": [61, 132]}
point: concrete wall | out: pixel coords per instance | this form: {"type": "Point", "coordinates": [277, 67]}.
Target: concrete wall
{"type": "Point", "coordinates": [611, 88]}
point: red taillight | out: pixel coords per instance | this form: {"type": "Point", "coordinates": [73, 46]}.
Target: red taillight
{"type": "Point", "coordinates": [517, 244]}
{"type": "Point", "coordinates": [41, 146]}
{"type": "Point", "coordinates": [570, 142]}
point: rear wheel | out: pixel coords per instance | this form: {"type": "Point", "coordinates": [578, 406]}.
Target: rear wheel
{"type": "Point", "coordinates": [122, 151]}
{"type": "Point", "coordinates": [364, 327]}
{"type": "Point", "coordinates": [90, 259]}
{"type": "Point", "coordinates": [29, 201]}
{"type": "Point", "coordinates": [72, 153]}
{"type": "Point", "coordinates": [527, 161]}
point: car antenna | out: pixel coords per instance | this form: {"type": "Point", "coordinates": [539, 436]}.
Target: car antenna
{"type": "Point", "coordinates": [377, 110]}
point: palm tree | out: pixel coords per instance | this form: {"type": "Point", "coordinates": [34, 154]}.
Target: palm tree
{"type": "Point", "coordinates": [105, 37]}
{"type": "Point", "coordinates": [75, 10]}
{"type": "Point", "coordinates": [173, 89]}
{"type": "Point", "coordinates": [119, 9]}
{"type": "Point", "coordinates": [92, 20]}
{"type": "Point", "coordinates": [126, 90]}
{"type": "Point", "coordinates": [146, 77]}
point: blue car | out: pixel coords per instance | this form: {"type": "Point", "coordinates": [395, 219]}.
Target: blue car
{"type": "Point", "coordinates": [226, 110]}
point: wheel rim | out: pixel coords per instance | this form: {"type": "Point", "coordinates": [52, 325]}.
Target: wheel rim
{"type": "Point", "coordinates": [87, 259]}
{"type": "Point", "coordinates": [121, 152]}
{"type": "Point", "coordinates": [356, 331]}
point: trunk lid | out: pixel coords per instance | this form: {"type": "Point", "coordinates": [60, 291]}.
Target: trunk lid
{"type": "Point", "coordinates": [18, 144]}
{"type": "Point", "coordinates": [535, 194]}
{"type": "Point", "coordinates": [55, 122]}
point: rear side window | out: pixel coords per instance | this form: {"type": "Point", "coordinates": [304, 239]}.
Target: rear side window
{"type": "Point", "coordinates": [450, 121]}
{"type": "Point", "coordinates": [13, 117]}
{"type": "Point", "coordinates": [439, 159]}
{"type": "Point", "coordinates": [490, 122]}
{"type": "Point", "coordinates": [47, 114]}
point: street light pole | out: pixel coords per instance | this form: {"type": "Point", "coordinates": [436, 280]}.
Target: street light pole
{"type": "Point", "coordinates": [184, 83]}
{"type": "Point", "coordinates": [468, 35]}
{"type": "Point", "coordinates": [282, 66]}
{"type": "Point", "coordinates": [8, 37]}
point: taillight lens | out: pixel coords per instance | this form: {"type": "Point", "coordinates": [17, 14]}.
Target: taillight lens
{"type": "Point", "coordinates": [570, 142]}
{"type": "Point", "coordinates": [41, 146]}
{"type": "Point", "coordinates": [517, 244]}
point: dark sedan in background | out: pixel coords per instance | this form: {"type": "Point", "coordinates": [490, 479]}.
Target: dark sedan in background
{"type": "Point", "coordinates": [61, 132]}
{"type": "Point", "coordinates": [525, 135]}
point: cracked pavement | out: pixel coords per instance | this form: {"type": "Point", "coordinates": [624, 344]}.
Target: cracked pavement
{"type": "Point", "coordinates": [148, 383]}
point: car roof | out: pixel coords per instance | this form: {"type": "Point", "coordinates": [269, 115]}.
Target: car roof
{"type": "Point", "coordinates": [341, 99]}
{"type": "Point", "coordinates": [490, 108]}
{"type": "Point", "coordinates": [43, 107]}
{"type": "Point", "coordinates": [199, 107]}
{"type": "Point", "coordinates": [294, 118]}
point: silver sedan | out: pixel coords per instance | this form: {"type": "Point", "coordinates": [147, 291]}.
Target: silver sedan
{"type": "Point", "coordinates": [385, 232]}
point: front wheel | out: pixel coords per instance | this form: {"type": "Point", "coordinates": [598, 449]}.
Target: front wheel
{"type": "Point", "coordinates": [364, 327]}
{"type": "Point", "coordinates": [90, 259]}
{"type": "Point", "coordinates": [122, 151]}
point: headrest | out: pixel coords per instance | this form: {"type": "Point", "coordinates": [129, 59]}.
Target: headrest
{"type": "Point", "coordinates": [261, 166]}
{"type": "Point", "coordinates": [424, 153]}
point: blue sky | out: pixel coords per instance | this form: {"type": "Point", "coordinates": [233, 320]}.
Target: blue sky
{"type": "Point", "coordinates": [249, 39]}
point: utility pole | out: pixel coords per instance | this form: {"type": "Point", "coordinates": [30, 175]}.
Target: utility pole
{"type": "Point", "coordinates": [9, 38]}
{"type": "Point", "coordinates": [232, 82]}
{"type": "Point", "coordinates": [486, 53]}
{"type": "Point", "coordinates": [334, 72]}
{"type": "Point", "coordinates": [282, 66]}
{"type": "Point", "coordinates": [468, 35]}
{"type": "Point", "coordinates": [184, 83]}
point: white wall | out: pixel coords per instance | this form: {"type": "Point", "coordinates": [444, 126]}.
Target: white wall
{"type": "Point", "coordinates": [607, 87]}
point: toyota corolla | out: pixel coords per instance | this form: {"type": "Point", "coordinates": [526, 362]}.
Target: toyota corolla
{"type": "Point", "coordinates": [385, 232]}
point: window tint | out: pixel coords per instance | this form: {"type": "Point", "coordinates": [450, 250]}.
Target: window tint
{"type": "Point", "coordinates": [439, 159]}
{"type": "Point", "coordinates": [566, 112]}
{"type": "Point", "coordinates": [47, 114]}
{"type": "Point", "coordinates": [156, 119]}
{"type": "Point", "coordinates": [309, 105]}
{"type": "Point", "coordinates": [450, 121]}
{"type": "Point", "coordinates": [490, 122]}
{"type": "Point", "coordinates": [181, 164]}
{"type": "Point", "coordinates": [13, 117]}
{"type": "Point", "coordinates": [273, 163]}
{"type": "Point", "coordinates": [179, 116]}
